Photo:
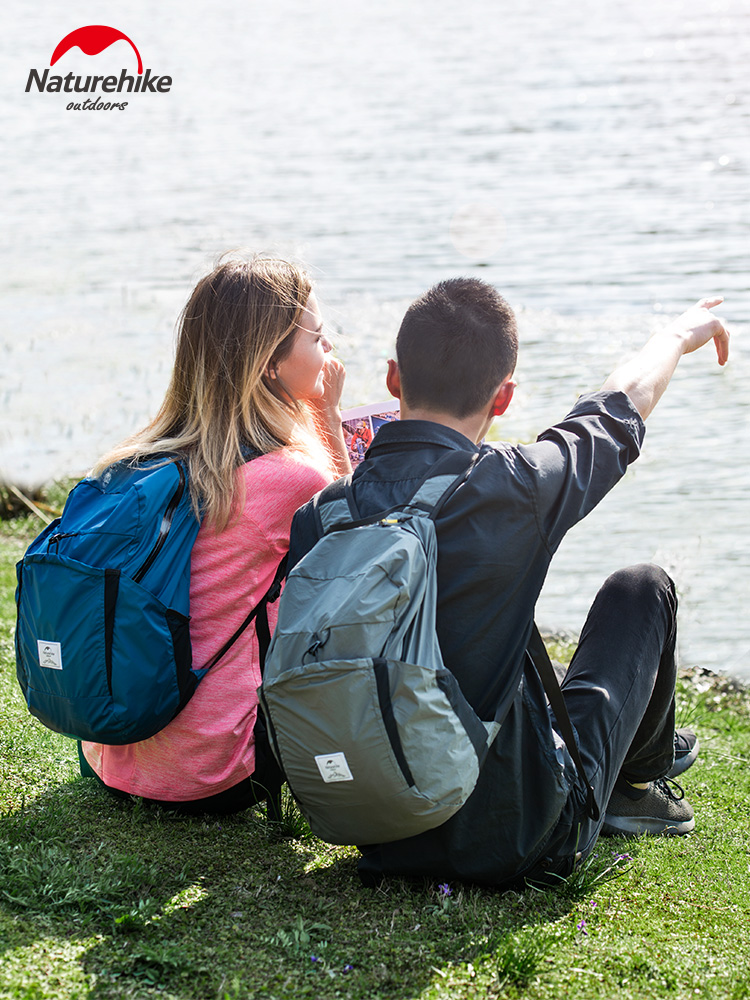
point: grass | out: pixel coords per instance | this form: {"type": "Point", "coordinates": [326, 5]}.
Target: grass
{"type": "Point", "coordinates": [106, 899]}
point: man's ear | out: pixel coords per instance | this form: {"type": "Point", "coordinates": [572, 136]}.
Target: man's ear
{"type": "Point", "coordinates": [503, 398]}
{"type": "Point", "coordinates": [393, 379]}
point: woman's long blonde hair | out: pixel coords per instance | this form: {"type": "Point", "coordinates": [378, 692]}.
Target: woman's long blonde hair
{"type": "Point", "coordinates": [240, 320]}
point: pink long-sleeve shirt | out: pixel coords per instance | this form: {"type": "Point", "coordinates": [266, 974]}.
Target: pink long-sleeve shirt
{"type": "Point", "coordinates": [209, 746]}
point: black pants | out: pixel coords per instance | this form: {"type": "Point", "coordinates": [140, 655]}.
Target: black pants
{"type": "Point", "coordinates": [619, 691]}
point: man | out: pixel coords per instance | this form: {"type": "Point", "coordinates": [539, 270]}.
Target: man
{"type": "Point", "coordinates": [527, 817]}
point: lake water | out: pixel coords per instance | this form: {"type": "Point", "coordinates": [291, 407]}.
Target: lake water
{"type": "Point", "coordinates": [592, 160]}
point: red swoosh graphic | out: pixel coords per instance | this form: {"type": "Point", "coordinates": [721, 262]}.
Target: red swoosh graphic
{"type": "Point", "coordinates": [93, 39]}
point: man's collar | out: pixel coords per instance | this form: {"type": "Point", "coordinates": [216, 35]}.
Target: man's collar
{"type": "Point", "coordinates": [399, 432]}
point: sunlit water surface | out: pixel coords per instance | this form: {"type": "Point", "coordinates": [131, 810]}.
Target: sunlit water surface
{"type": "Point", "coordinates": [592, 160]}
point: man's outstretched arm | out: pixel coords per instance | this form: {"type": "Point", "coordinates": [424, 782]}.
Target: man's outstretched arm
{"type": "Point", "coordinates": [645, 377]}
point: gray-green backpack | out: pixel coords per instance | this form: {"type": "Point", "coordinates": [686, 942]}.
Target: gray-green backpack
{"type": "Point", "coordinates": [372, 731]}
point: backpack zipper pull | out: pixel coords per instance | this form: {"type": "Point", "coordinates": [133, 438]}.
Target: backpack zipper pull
{"type": "Point", "coordinates": [55, 539]}
{"type": "Point", "coordinates": [318, 641]}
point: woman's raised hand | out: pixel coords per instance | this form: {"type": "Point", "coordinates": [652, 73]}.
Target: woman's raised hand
{"type": "Point", "coordinates": [328, 414]}
{"type": "Point", "coordinates": [333, 385]}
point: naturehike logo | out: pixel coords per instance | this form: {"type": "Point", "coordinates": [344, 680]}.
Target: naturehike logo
{"type": "Point", "coordinates": [91, 40]}
{"type": "Point", "coordinates": [50, 654]}
{"type": "Point", "coordinates": [334, 767]}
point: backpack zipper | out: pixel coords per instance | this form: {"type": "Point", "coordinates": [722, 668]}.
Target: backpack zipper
{"type": "Point", "coordinates": [55, 539]}
{"type": "Point", "coordinates": [166, 524]}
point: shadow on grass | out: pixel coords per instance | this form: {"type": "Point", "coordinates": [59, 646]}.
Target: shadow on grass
{"type": "Point", "coordinates": [221, 907]}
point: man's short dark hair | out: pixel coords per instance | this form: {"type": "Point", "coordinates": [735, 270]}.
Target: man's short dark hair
{"type": "Point", "coordinates": [456, 345]}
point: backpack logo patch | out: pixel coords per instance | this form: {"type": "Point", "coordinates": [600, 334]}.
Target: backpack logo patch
{"type": "Point", "coordinates": [50, 654]}
{"type": "Point", "coordinates": [333, 767]}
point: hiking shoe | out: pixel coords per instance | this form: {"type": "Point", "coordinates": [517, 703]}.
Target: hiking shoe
{"type": "Point", "coordinates": [656, 810]}
{"type": "Point", "coordinates": [686, 747]}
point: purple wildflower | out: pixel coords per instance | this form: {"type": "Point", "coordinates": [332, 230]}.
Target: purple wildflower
{"type": "Point", "coordinates": [581, 925]}
{"type": "Point", "coordinates": [313, 958]}
{"type": "Point", "coordinates": [445, 889]}
{"type": "Point", "coordinates": [348, 968]}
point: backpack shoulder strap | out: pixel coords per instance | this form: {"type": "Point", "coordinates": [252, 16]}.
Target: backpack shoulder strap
{"type": "Point", "coordinates": [539, 656]}
{"type": "Point", "coordinates": [260, 611]}
{"type": "Point", "coordinates": [443, 480]}
{"type": "Point", "coordinates": [335, 505]}
{"type": "Point", "coordinates": [332, 505]}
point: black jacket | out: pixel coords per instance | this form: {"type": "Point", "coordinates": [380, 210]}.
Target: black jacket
{"type": "Point", "coordinates": [496, 538]}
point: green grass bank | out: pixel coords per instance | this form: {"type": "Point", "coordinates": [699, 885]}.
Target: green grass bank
{"type": "Point", "coordinates": [101, 899]}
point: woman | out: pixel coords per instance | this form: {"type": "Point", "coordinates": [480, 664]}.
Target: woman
{"type": "Point", "coordinates": [253, 370]}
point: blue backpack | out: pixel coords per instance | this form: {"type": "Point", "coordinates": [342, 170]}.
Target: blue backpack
{"type": "Point", "coordinates": [102, 636]}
